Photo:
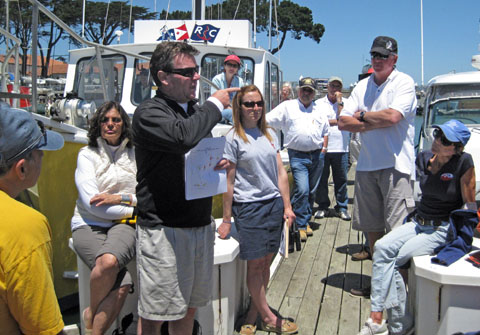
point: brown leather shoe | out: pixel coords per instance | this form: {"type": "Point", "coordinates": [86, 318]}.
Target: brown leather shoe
{"type": "Point", "coordinates": [303, 235]}
{"type": "Point", "coordinates": [309, 230]}
{"type": "Point", "coordinates": [362, 292]}
{"type": "Point", "coordinates": [361, 256]}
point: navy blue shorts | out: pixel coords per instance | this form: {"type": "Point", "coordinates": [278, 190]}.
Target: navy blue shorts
{"type": "Point", "coordinates": [259, 225]}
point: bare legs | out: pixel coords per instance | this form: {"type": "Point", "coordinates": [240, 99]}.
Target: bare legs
{"type": "Point", "coordinates": [177, 327]}
{"type": "Point", "coordinates": [104, 303]}
{"type": "Point", "coordinates": [258, 275]}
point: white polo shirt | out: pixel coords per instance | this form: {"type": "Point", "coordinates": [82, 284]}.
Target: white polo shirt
{"type": "Point", "coordinates": [392, 146]}
{"type": "Point", "coordinates": [338, 140]}
{"type": "Point", "coordinates": [303, 128]}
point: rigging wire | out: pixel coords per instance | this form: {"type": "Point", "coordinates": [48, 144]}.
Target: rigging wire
{"type": "Point", "coordinates": [106, 19]}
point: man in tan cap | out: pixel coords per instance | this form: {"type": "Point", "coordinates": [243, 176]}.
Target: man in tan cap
{"type": "Point", "coordinates": [337, 156]}
{"type": "Point", "coordinates": [306, 137]}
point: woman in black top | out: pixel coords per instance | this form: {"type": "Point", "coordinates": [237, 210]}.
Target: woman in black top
{"type": "Point", "coordinates": [447, 180]}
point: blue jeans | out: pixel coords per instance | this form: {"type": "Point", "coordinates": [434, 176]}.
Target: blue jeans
{"type": "Point", "coordinates": [306, 170]}
{"type": "Point", "coordinates": [339, 163]}
{"type": "Point", "coordinates": [227, 115]}
{"type": "Point", "coordinates": [392, 251]}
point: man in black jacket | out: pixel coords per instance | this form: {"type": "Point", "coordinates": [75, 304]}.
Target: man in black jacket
{"type": "Point", "coordinates": [175, 236]}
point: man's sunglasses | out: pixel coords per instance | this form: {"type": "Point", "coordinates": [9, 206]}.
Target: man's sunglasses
{"type": "Point", "coordinates": [376, 55]}
{"type": "Point", "coordinates": [307, 89]}
{"type": "Point", "coordinates": [188, 72]}
{"type": "Point", "coordinates": [251, 104]}
{"type": "Point", "coordinates": [437, 133]}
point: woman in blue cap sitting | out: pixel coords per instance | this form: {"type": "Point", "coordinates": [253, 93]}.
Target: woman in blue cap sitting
{"type": "Point", "coordinates": [447, 180]}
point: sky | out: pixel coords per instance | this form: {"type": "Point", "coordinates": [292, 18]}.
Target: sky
{"type": "Point", "coordinates": [451, 36]}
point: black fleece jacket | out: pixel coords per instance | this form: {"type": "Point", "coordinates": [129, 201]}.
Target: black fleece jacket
{"type": "Point", "coordinates": [162, 134]}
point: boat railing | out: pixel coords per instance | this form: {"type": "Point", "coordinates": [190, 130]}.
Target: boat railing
{"type": "Point", "coordinates": [11, 52]}
{"type": "Point", "coordinates": [37, 6]}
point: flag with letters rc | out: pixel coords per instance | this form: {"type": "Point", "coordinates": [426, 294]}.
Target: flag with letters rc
{"type": "Point", "coordinates": [204, 32]}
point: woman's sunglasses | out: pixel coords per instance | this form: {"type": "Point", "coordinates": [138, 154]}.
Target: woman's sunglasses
{"type": "Point", "coordinates": [251, 104]}
{"type": "Point", "coordinates": [437, 133]}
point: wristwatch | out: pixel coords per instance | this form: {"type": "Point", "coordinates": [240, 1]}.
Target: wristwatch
{"type": "Point", "coordinates": [340, 103]}
{"type": "Point", "coordinates": [362, 116]}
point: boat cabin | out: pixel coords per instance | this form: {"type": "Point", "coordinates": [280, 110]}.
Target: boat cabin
{"type": "Point", "coordinates": [127, 78]}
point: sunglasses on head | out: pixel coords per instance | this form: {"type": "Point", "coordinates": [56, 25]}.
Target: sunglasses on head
{"type": "Point", "coordinates": [113, 119]}
{"type": "Point", "coordinates": [251, 104]}
{"type": "Point", "coordinates": [376, 55]}
{"type": "Point", "coordinates": [188, 72]}
{"type": "Point", "coordinates": [438, 133]}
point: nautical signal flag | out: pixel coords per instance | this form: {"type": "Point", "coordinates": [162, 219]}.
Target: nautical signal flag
{"type": "Point", "coordinates": [204, 33]}
{"type": "Point", "coordinates": [174, 34]}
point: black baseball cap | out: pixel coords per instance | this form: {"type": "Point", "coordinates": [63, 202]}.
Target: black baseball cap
{"type": "Point", "coordinates": [384, 45]}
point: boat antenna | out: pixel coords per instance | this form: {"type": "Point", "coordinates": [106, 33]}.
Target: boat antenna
{"type": "Point", "coordinates": [234, 17]}
{"type": "Point", "coordinates": [106, 19]}
{"type": "Point", "coordinates": [276, 21]}
{"type": "Point", "coordinates": [130, 21]}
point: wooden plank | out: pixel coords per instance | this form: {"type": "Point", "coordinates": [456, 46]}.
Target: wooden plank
{"type": "Point", "coordinates": [330, 311]}
{"type": "Point", "coordinates": [314, 290]}
{"type": "Point", "coordinates": [350, 320]}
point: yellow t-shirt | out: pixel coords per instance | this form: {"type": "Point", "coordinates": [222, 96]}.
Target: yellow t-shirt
{"type": "Point", "coordinates": [28, 303]}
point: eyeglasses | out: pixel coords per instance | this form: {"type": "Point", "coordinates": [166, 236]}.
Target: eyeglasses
{"type": "Point", "coordinates": [438, 134]}
{"type": "Point", "coordinates": [235, 65]}
{"type": "Point", "coordinates": [307, 90]}
{"type": "Point", "coordinates": [113, 119]}
{"type": "Point", "coordinates": [42, 130]}
{"type": "Point", "coordinates": [376, 55]}
{"type": "Point", "coordinates": [251, 104]}
{"type": "Point", "coordinates": [188, 72]}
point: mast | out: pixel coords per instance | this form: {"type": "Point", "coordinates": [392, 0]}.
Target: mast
{"type": "Point", "coordinates": [198, 9]}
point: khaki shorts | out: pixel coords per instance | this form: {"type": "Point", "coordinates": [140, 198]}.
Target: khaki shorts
{"type": "Point", "coordinates": [175, 268]}
{"type": "Point", "coordinates": [91, 242]}
{"type": "Point", "coordinates": [383, 198]}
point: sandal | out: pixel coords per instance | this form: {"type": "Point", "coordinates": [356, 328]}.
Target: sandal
{"type": "Point", "coordinates": [248, 330]}
{"type": "Point", "coordinates": [288, 327]}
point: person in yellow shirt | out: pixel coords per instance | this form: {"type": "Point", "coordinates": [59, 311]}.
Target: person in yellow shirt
{"type": "Point", "coordinates": [28, 304]}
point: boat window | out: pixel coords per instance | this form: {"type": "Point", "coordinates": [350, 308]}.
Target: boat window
{"type": "Point", "coordinates": [142, 81]}
{"type": "Point", "coordinates": [275, 85]}
{"type": "Point", "coordinates": [266, 93]}
{"type": "Point", "coordinates": [460, 101]}
{"type": "Point", "coordinates": [212, 65]}
{"type": "Point", "coordinates": [88, 84]}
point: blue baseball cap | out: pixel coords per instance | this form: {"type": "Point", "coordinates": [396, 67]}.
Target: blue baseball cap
{"type": "Point", "coordinates": [455, 131]}
{"type": "Point", "coordinates": [20, 134]}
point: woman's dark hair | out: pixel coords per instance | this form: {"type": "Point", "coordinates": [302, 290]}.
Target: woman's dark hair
{"type": "Point", "coordinates": [95, 123]}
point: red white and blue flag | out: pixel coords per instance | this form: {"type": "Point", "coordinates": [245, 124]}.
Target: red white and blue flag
{"type": "Point", "coordinates": [175, 34]}
{"type": "Point", "coordinates": [204, 33]}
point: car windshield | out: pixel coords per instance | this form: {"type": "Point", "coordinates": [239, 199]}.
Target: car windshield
{"type": "Point", "coordinates": [454, 101]}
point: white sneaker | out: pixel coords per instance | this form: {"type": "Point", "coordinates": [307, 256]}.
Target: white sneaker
{"type": "Point", "coordinates": [320, 214]}
{"type": "Point", "coordinates": [371, 328]}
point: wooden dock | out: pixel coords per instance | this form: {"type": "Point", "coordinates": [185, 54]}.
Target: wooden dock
{"type": "Point", "coordinates": [312, 286]}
